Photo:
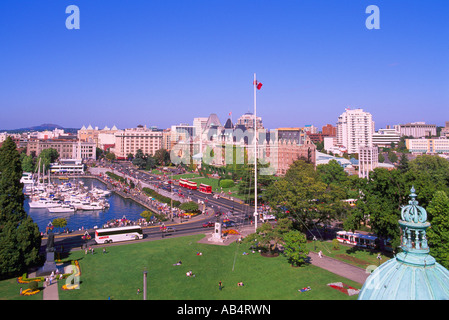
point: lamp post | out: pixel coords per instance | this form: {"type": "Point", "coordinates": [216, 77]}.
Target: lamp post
{"type": "Point", "coordinates": [145, 276]}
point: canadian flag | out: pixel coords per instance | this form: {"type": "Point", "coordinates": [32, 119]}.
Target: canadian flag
{"type": "Point", "coordinates": [258, 84]}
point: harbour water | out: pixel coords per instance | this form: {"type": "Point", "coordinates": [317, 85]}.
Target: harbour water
{"type": "Point", "coordinates": [119, 207]}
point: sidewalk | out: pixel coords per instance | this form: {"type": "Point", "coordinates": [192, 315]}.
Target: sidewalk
{"type": "Point", "coordinates": [51, 291]}
{"type": "Point", "coordinates": [340, 268]}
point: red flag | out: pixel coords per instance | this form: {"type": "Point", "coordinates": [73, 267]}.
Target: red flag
{"type": "Point", "coordinates": [258, 84]}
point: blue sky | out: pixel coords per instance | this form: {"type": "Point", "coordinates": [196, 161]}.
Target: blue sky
{"type": "Point", "coordinates": [165, 62]}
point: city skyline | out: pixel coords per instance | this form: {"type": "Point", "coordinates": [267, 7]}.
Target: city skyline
{"type": "Point", "coordinates": [164, 63]}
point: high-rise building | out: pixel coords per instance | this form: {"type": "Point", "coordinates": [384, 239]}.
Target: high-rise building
{"type": "Point", "coordinates": [329, 130]}
{"type": "Point", "coordinates": [355, 129]}
{"type": "Point", "coordinates": [368, 160]}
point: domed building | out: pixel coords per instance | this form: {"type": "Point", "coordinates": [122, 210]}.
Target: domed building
{"type": "Point", "coordinates": [413, 274]}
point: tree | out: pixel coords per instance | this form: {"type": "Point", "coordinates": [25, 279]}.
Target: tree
{"type": "Point", "coordinates": [304, 197]}
{"type": "Point", "coordinates": [28, 164]}
{"type": "Point", "coordinates": [139, 159]}
{"type": "Point", "coordinates": [438, 233]}
{"type": "Point", "coordinates": [19, 237]}
{"type": "Point", "coordinates": [59, 222]}
{"type": "Point", "coordinates": [110, 156]}
{"type": "Point", "coordinates": [147, 215]}
{"type": "Point", "coordinates": [162, 157]}
{"type": "Point", "coordinates": [403, 163]}
{"type": "Point", "coordinates": [190, 206]}
{"type": "Point", "coordinates": [392, 156]}
{"type": "Point", "coordinates": [295, 247]}
{"type": "Point", "coordinates": [266, 237]}
{"type": "Point", "coordinates": [46, 157]}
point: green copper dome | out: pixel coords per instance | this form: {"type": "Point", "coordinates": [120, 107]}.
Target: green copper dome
{"type": "Point", "coordinates": [413, 274]}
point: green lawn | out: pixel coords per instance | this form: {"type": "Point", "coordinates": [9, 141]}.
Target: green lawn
{"type": "Point", "coordinates": [119, 273]}
{"type": "Point", "coordinates": [350, 254]}
{"type": "Point", "coordinates": [10, 288]}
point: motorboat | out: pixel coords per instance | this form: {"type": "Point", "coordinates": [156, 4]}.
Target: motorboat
{"type": "Point", "coordinates": [93, 206]}
{"type": "Point", "coordinates": [43, 203]}
{"type": "Point", "coordinates": [62, 209]}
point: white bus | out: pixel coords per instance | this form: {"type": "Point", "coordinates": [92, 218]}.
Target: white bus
{"type": "Point", "coordinates": [356, 239]}
{"type": "Point", "coordinates": [109, 235]}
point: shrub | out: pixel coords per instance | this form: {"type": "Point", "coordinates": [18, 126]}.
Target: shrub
{"type": "Point", "coordinates": [226, 183]}
{"type": "Point", "coordinates": [335, 244]}
{"type": "Point", "coordinates": [33, 285]}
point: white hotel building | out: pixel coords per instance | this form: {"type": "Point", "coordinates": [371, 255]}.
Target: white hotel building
{"type": "Point", "coordinates": [130, 140]}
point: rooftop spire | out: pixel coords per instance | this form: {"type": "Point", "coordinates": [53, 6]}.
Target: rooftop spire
{"type": "Point", "coordinates": [413, 241]}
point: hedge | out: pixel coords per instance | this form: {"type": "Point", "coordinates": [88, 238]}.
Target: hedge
{"type": "Point", "coordinates": [159, 197]}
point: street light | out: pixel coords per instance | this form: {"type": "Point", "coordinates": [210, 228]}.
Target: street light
{"type": "Point", "coordinates": [145, 274]}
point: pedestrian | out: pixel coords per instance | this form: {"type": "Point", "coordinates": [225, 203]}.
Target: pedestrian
{"type": "Point", "coordinates": [320, 254]}
{"type": "Point", "coordinates": [219, 285]}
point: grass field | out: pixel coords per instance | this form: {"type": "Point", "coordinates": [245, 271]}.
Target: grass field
{"type": "Point", "coordinates": [119, 273]}
{"type": "Point", "coordinates": [350, 254]}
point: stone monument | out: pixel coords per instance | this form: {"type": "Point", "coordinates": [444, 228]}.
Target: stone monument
{"type": "Point", "coordinates": [49, 265]}
{"type": "Point", "coordinates": [216, 235]}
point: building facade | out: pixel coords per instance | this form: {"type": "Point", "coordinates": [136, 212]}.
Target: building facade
{"type": "Point", "coordinates": [417, 129]}
{"type": "Point", "coordinates": [385, 137]}
{"type": "Point", "coordinates": [355, 129]}
{"type": "Point", "coordinates": [67, 149]}
{"type": "Point", "coordinates": [420, 146]}
{"type": "Point", "coordinates": [128, 141]}
{"type": "Point", "coordinates": [368, 160]}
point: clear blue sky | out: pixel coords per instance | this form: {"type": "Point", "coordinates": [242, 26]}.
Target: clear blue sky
{"type": "Point", "coordinates": [167, 61]}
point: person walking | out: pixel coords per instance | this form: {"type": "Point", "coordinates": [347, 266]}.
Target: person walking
{"type": "Point", "coordinates": [320, 254]}
{"type": "Point", "coordinates": [220, 285]}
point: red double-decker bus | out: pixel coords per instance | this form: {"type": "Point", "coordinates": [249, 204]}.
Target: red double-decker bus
{"type": "Point", "coordinates": [188, 184]}
{"type": "Point", "coordinates": [204, 188]}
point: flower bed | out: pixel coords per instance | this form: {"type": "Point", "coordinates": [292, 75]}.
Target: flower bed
{"type": "Point", "coordinates": [343, 287]}
{"type": "Point", "coordinates": [29, 292]}
{"type": "Point", "coordinates": [77, 274]}
{"type": "Point", "coordinates": [24, 279]}
{"type": "Point", "coordinates": [230, 232]}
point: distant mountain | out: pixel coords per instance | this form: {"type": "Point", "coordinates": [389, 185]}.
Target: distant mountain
{"type": "Point", "coordinates": [45, 126]}
{"type": "Point", "coordinates": [42, 127]}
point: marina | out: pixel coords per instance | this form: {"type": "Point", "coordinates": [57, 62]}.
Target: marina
{"type": "Point", "coordinates": [80, 212]}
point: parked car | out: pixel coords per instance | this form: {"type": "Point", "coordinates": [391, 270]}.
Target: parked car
{"type": "Point", "coordinates": [169, 229]}
{"type": "Point", "coordinates": [208, 224]}
{"type": "Point", "coordinates": [228, 223]}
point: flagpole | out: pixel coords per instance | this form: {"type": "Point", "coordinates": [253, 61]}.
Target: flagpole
{"type": "Point", "coordinates": [255, 156]}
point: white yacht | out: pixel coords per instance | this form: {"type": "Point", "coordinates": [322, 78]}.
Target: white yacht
{"type": "Point", "coordinates": [93, 206]}
{"type": "Point", "coordinates": [43, 203]}
{"type": "Point", "coordinates": [27, 178]}
{"type": "Point", "coordinates": [62, 209]}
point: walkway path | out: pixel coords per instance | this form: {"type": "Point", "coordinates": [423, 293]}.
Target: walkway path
{"type": "Point", "coordinates": [340, 268]}
{"type": "Point", "coordinates": [51, 291]}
